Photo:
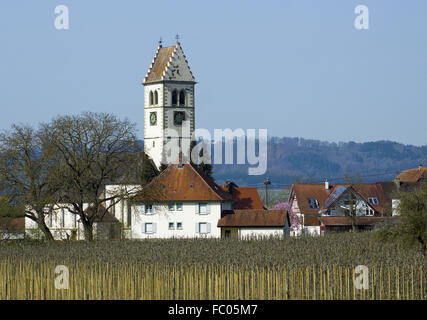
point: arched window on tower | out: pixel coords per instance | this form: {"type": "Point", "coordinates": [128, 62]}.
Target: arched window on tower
{"type": "Point", "coordinates": [156, 98]}
{"type": "Point", "coordinates": [151, 98]}
{"type": "Point", "coordinates": [182, 98]}
{"type": "Point", "coordinates": [174, 97]}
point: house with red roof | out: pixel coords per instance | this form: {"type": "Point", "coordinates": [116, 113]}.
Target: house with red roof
{"type": "Point", "coordinates": [188, 204]}
{"type": "Point", "coordinates": [339, 207]}
{"type": "Point", "coordinates": [12, 228]}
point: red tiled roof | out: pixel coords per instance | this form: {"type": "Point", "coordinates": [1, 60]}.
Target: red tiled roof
{"type": "Point", "coordinates": [184, 183]}
{"type": "Point", "coordinates": [311, 221]}
{"type": "Point", "coordinates": [413, 175]}
{"type": "Point", "coordinates": [318, 191]}
{"type": "Point", "coordinates": [254, 218]}
{"type": "Point", "coordinates": [12, 224]}
{"type": "Point", "coordinates": [245, 198]}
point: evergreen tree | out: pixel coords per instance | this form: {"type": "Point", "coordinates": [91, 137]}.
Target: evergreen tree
{"type": "Point", "coordinates": [148, 170]}
{"type": "Point", "coordinates": [206, 168]}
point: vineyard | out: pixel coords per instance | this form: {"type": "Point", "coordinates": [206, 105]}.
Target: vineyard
{"type": "Point", "coordinates": [305, 268]}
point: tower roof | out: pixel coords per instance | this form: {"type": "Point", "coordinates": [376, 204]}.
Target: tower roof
{"type": "Point", "coordinates": [169, 63]}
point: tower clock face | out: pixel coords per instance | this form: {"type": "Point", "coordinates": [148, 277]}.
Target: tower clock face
{"type": "Point", "coordinates": [153, 118]}
{"type": "Point", "coordinates": [178, 117]}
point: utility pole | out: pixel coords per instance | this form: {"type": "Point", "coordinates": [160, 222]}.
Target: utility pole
{"type": "Point", "coordinates": [267, 183]}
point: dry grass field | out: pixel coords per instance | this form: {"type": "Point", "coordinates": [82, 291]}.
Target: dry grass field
{"type": "Point", "coordinates": [304, 268]}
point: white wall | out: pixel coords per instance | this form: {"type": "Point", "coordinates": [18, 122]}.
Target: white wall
{"type": "Point", "coordinates": [61, 224]}
{"type": "Point", "coordinates": [165, 119]}
{"type": "Point", "coordinates": [395, 207]}
{"type": "Point", "coordinates": [162, 217]}
{"type": "Point", "coordinates": [360, 206]}
{"type": "Point", "coordinates": [261, 232]}
{"type": "Point", "coordinates": [312, 231]}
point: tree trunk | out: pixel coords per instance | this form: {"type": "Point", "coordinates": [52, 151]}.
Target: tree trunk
{"type": "Point", "coordinates": [88, 231]}
{"type": "Point", "coordinates": [44, 228]}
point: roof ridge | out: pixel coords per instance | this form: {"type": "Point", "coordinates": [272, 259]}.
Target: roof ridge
{"type": "Point", "coordinates": [204, 178]}
{"type": "Point", "coordinates": [169, 62]}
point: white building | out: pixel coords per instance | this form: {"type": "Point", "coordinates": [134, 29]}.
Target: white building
{"type": "Point", "coordinates": [168, 101]}
{"type": "Point", "coordinates": [187, 205]}
{"type": "Point", "coordinates": [65, 225]}
{"type": "Point", "coordinates": [255, 224]}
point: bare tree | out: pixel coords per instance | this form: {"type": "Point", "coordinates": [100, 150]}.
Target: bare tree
{"type": "Point", "coordinates": [95, 149]}
{"type": "Point", "coordinates": [25, 174]}
{"type": "Point", "coordinates": [352, 200]}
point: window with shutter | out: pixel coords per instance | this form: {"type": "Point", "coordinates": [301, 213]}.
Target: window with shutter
{"type": "Point", "coordinates": [203, 227]}
{"type": "Point", "coordinates": [203, 208]}
{"type": "Point", "coordinates": [148, 228]}
{"type": "Point", "coordinates": [149, 209]}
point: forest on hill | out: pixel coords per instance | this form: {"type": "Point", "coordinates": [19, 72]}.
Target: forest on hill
{"type": "Point", "coordinates": [298, 159]}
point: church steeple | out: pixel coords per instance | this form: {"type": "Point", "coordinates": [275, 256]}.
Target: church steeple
{"type": "Point", "coordinates": [168, 100]}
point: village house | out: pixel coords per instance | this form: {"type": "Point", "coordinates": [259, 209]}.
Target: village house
{"type": "Point", "coordinates": [187, 204]}
{"type": "Point", "coordinates": [323, 207]}
{"type": "Point", "coordinates": [416, 175]}
{"type": "Point", "coordinates": [254, 224]}
{"type": "Point", "coordinates": [12, 228]}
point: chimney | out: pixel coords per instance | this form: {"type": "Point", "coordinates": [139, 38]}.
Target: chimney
{"type": "Point", "coordinates": [420, 167]}
{"type": "Point", "coordinates": [326, 185]}
{"type": "Point", "coordinates": [230, 186]}
{"type": "Point", "coordinates": [180, 160]}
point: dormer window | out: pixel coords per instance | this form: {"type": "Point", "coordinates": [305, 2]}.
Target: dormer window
{"type": "Point", "coordinates": [313, 203]}
{"type": "Point", "coordinates": [373, 201]}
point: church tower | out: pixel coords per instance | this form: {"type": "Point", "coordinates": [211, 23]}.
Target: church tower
{"type": "Point", "coordinates": [168, 101]}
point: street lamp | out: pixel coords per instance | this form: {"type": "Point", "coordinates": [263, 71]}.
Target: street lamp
{"type": "Point", "coordinates": [267, 183]}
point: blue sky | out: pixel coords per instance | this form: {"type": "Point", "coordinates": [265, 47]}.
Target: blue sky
{"type": "Point", "coordinates": [298, 68]}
